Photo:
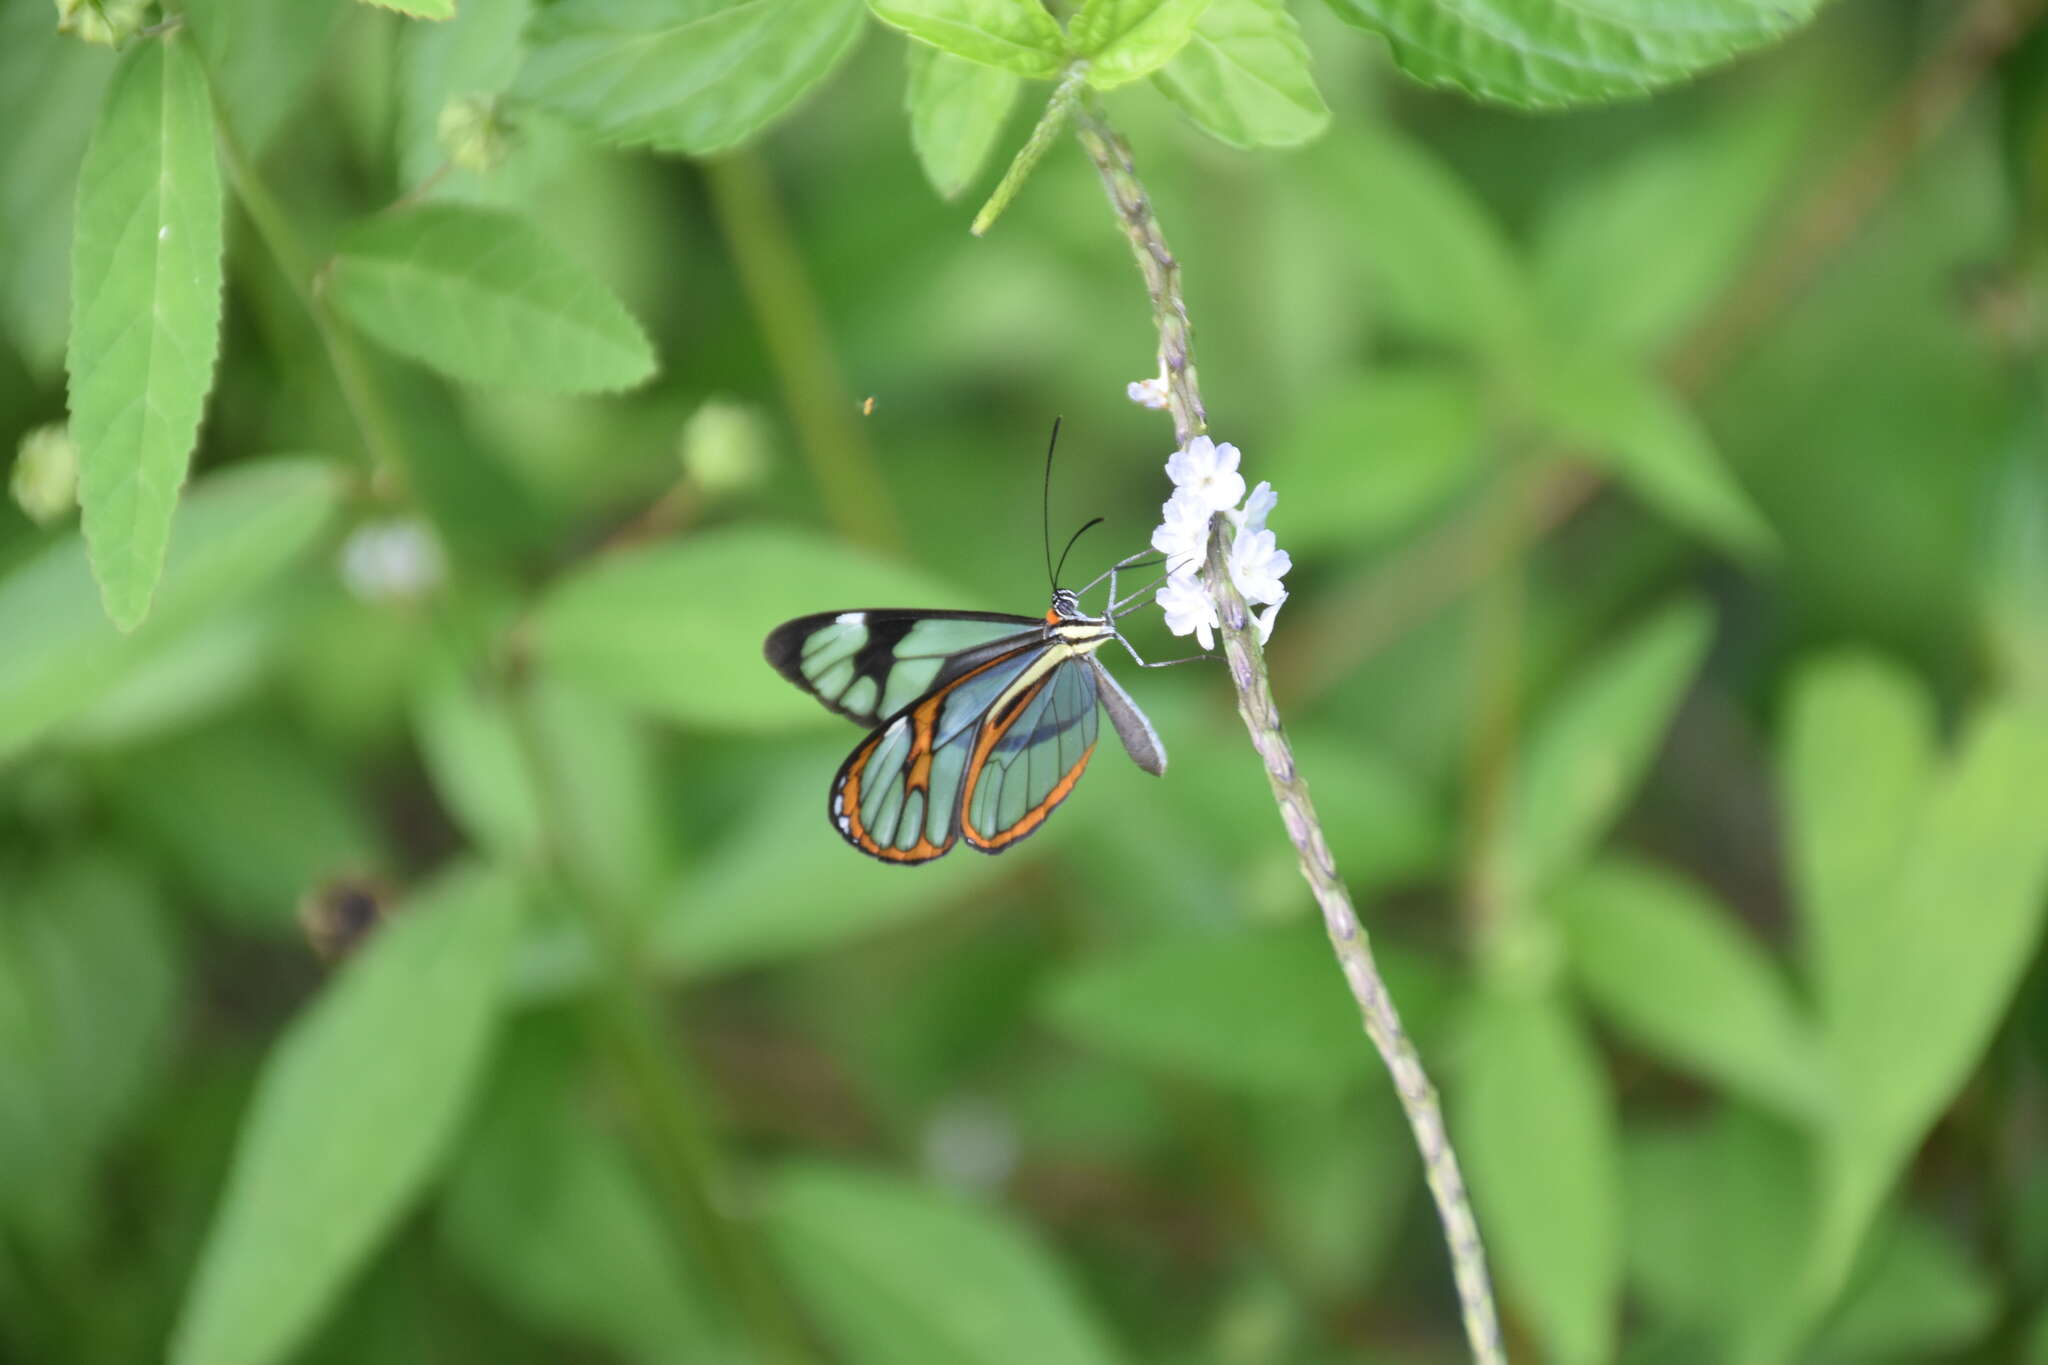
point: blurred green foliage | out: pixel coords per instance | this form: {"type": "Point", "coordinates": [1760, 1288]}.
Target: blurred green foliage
{"type": "Point", "coordinates": [1668, 655]}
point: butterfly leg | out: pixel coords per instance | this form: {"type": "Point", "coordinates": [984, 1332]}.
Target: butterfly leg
{"type": "Point", "coordinates": [1161, 663]}
{"type": "Point", "coordinates": [1111, 572]}
{"type": "Point", "coordinates": [1118, 606]}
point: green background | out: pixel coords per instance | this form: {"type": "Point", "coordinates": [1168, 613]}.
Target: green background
{"type": "Point", "coordinates": [1667, 487]}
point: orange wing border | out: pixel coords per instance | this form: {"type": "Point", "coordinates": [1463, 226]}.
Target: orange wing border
{"type": "Point", "coordinates": [842, 804]}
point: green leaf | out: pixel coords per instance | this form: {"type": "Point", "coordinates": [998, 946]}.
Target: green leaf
{"type": "Point", "coordinates": [609, 822]}
{"type": "Point", "coordinates": [418, 9]}
{"type": "Point", "coordinates": [755, 899]}
{"type": "Point", "coordinates": [482, 295]}
{"type": "Point", "coordinates": [1919, 1296]}
{"type": "Point", "coordinates": [1608, 267]}
{"type": "Point", "coordinates": [261, 58]}
{"type": "Point", "coordinates": [1385, 825]}
{"type": "Point", "coordinates": [1427, 425]}
{"type": "Point", "coordinates": [1859, 756]}
{"type": "Point", "coordinates": [689, 76]}
{"type": "Point", "coordinates": [547, 1210]}
{"type": "Point", "coordinates": [473, 753]}
{"type": "Point", "coordinates": [1914, 999]}
{"type": "Point", "coordinates": [957, 110]}
{"type": "Point", "coordinates": [145, 313]}
{"type": "Point", "coordinates": [88, 1012]}
{"type": "Point", "coordinates": [1669, 967]}
{"type": "Point", "coordinates": [1641, 433]}
{"type": "Point", "coordinates": [200, 673]}
{"type": "Point", "coordinates": [1016, 35]}
{"type": "Point", "coordinates": [1717, 1218]}
{"type": "Point", "coordinates": [1441, 264]}
{"type": "Point", "coordinates": [236, 531]}
{"type": "Point", "coordinates": [356, 1107]}
{"type": "Point", "coordinates": [1337, 1176]}
{"type": "Point", "coordinates": [897, 1274]}
{"type": "Point", "coordinates": [1126, 40]}
{"type": "Point", "coordinates": [1551, 54]}
{"type": "Point", "coordinates": [247, 812]}
{"type": "Point", "coordinates": [1535, 1124]}
{"type": "Point", "coordinates": [642, 626]}
{"type": "Point", "coordinates": [1591, 746]}
{"type": "Point", "coordinates": [1244, 77]}
{"type": "Point", "coordinates": [1266, 1012]}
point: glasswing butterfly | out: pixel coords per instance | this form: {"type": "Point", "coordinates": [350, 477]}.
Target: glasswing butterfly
{"type": "Point", "coordinates": [981, 722]}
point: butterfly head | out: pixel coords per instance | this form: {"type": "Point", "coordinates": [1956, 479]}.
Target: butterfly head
{"type": "Point", "coordinates": [1066, 606]}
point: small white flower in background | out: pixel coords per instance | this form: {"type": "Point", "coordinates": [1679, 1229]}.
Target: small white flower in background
{"type": "Point", "coordinates": [1206, 482]}
{"type": "Point", "coordinates": [1208, 471]}
{"type": "Point", "coordinates": [1188, 608]}
{"type": "Point", "coordinates": [971, 1144]}
{"type": "Point", "coordinates": [387, 561]}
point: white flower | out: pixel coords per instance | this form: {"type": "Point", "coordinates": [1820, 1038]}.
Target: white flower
{"type": "Point", "coordinates": [1256, 565]}
{"type": "Point", "coordinates": [1188, 608]}
{"type": "Point", "coordinates": [1208, 471]}
{"type": "Point", "coordinates": [1183, 533]}
{"type": "Point", "coordinates": [387, 561]}
{"type": "Point", "coordinates": [1264, 619]}
{"type": "Point", "coordinates": [1256, 507]}
{"type": "Point", "coordinates": [1148, 393]}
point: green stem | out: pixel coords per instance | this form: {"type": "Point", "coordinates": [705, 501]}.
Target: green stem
{"type": "Point", "coordinates": [1491, 878]}
{"type": "Point", "coordinates": [778, 291]}
{"type": "Point", "coordinates": [1241, 647]}
{"type": "Point", "coordinates": [366, 406]}
{"type": "Point", "coordinates": [705, 1203]}
{"type": "Point", "coordinates": [1051, 123]}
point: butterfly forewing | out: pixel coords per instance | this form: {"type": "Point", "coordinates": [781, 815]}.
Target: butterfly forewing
{"type": "Point", "coordinates": [869, 664]}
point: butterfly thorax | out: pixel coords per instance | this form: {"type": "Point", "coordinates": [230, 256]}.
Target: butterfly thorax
{"type": "Point", "coordinates": [1074, 628]}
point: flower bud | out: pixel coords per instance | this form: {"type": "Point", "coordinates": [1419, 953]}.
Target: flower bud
{"type": "Point", "coordinates": [725, 447]}
{"type": "Point", "coordinates": [108, 23]}
{"type": "Point", "coordinates": [45, 481]}
{"type": "Point", "coordinates": [473, 134]}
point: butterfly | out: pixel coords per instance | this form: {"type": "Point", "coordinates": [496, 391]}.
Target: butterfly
{"type": "Point", "coordinates": [981, 722]}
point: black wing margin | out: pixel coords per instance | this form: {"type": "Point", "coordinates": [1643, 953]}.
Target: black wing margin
{"type": "Point", "coordinates": [867, 664]}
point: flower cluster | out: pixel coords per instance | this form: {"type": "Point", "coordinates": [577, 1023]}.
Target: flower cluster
{"type": "Point", "coordinates": [1206, 482]}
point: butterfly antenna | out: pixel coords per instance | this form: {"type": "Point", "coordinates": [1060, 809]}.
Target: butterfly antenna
{"type": "Point", "coordinates": [1045, 509]}
{"type": "Point", "coordinates": [1070, 545]}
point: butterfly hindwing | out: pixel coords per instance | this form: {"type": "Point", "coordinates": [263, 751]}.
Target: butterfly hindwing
{"type": "Point", "coordinates": [1028, 755]}
{"type": "Point", "coordinates": [870, 664]}
{"type": "Point", "coordinates": [898, 795]}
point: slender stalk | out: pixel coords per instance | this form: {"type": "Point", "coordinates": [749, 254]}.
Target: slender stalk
{"type": "Point", "coordinates": [778, 291]}
{"type": "Point", "coordinates": [1262, 720]}
{"type": "Point", "coordinates": [366, 407]}
{"type": "Point", "coordinates": [1058, 110]}
{"type": "Point", "coordinates": [1491, 878]}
